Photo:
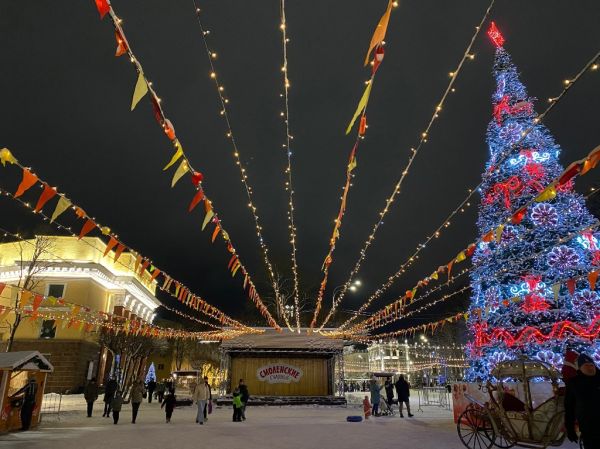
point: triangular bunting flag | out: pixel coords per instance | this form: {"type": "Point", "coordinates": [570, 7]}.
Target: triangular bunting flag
{"type": "Point", "coordinates": [181, 170]}
{"type": "Point", "coordinates": [209, 215]}
{"type": "Point", "coordinates": [63, 204]}
{"type": "Point", "coordinates": [46, 196]}
{"type": "Point", "coordinates": [6, 156]}
{"type": "Point", "coordinates": [87, 227]}
{"type": "Point", "coordinates": [141, 89]}
{"type": "Point", "coordinates": [362, 104]}
{"type": "Point", "coordinates": [28, 181]}
{"type": "Point", "coordinates": [380, 30]}
{"type": "Point", "coordinates": [103, 7]}
{"type": "Point", "coordinates": [110, 245]}
{"type": "Point", "coordinates": [119, 251]}
{"type": "Point", "coordinates": [178, 153]}
{"type": "Point", "coordinates": [199, 196]}
{"type": "Point", "coordinates": [592, 278]}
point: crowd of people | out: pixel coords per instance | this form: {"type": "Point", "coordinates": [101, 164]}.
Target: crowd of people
{"type": "Point", "coordinates": [164, 392]}
{"type": "Point", "coordinates": [371, 406]}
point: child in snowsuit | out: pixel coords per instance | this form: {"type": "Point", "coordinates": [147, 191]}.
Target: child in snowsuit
{"type": "Point", "coordinates": [115, 404]}
{"type": "Point", "coordinates": [367, 407]}
{"type": "Point", "coordinates": [169, 404]}
{"type": "Point", "coordinates": [237, 406]}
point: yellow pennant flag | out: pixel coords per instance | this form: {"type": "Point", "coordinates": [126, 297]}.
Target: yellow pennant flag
{"type": "Point", "coordinates": [434, 275]}
{"type": "Point", "coordinates": [25, 297]}
{"type": "Point", "coordinates": [181, 170]}
{"type": "Point", "coordinates": [548, 194]}
{"type": "Point", "coordinates": [460, 257]}
{"type": "Point", "coordinates": [141, 89]}
{"type": "Point", "coordinates": [62, 205]}
{"type": "Point", "coordinates": [207, 218]}
{"type": "Point", "coordinates": [362, 104]}
{"type": "Point", "coordinates": [379, 34]}
{"type": "Point", "coordinates": [178, 153]}
{"type": "Point", "coordinates": [6, 156]}
{"type": "Point", "coordinates": [499, 230]}
{"type": "Point", "coordinates": [352, 164]}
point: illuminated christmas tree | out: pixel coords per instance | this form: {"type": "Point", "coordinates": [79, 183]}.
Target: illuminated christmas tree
{"type": "Point", "coordinates": [530, 291]}
{"type": "Point", "coordinates": [151, 375]}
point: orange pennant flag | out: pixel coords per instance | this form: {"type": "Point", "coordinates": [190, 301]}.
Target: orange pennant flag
{"type": "Point", "coordinates": [25, 297]}
{"type": "Point", "coordinates": [46, 196]}
{"type": "Point", "coordinates": [110, 245]}
{"type": "Point", "coordinates": [121, 44]}
{"type": "Point", "coordinates": [145, 265]}
{"type": "Point", "coordinates": [199, 196]}
{"type": "Point", "coordinates": [592, 278]}
{"type": "Point", "coordinates": [591, 161]}
{"type": "Point", "coordinates": [119, 251]}
{"type": "Point", "coordinates": [379, 34]}
{"type": "Point", "coordinates": [215, 233]}
{"type": "Point", "coordinates": [87, 227]}
{"type": "Point", "coordinates": [37, 301]}
{"type": "Point", "coordinates": [450, 268]}
{"type": "Point", "coordinates": [28, 181]}
{"type": "Point", "coordinates": [155, 274]}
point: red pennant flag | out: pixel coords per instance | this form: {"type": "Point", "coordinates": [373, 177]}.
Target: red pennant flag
{"type": "Point", "coordinates": [168, 128]}
{"type": "Point", "coordinates": [37, 300]}
{"type": "Point", "coordinates": [103, 7]}
{"type": "Point", "coordinates": [46, 196]}
{"type": "Point", "coordinates": [488, 237]}
{"type": "Point", "coordinates": [450, 268]}
{"type": "Point", "coordinates": [111, 244]}
{"type": "Point", "coordinates": [197, 178]}
{"type": "Point", "coordinates": [28, 181]}
{"type": "Point", "coordinates": [570, 172]}
{"type": "Point", "coordinates": [571, 285]}
{"type": "Point", "coordinates": [519, 215]}
{"type": "Point", "coordinates": [199, 196]}
{"type": "Point", "coordinates": [119, 251]}
{"type": "Point", "coordinates": [362, 128]}
{"type": "Point", "coordinates": [592, 278]}
{"type": "Point", "coordinates": [87, 227]}
{"type": "Point", "coordinates": [470, 250]}
{"type": "Point", "coordinates": [144, 266]}
{"type": "Point", "coordinates": [121, 44]}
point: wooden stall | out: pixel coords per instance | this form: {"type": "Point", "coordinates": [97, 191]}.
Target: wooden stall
{"type": "Point", "coordinates": [283, 364]}
{"type": "Point", "coordinates": [17, 370]}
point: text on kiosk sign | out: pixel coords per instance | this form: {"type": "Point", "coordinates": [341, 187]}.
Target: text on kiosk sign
{"type": "Point", "coordinates": [279, 373]}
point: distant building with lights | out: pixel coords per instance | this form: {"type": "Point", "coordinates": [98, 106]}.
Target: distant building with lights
{"type": "Point", "coordinates": [76, 271]}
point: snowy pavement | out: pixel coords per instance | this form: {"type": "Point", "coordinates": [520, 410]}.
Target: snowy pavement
{"type": "Point", "coordinates": [296, 427]}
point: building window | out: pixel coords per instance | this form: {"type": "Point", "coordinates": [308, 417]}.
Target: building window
{"type": "Point", "coordinates": [48, 329]}
{"type": "Point", "coordinates": [56, 290]}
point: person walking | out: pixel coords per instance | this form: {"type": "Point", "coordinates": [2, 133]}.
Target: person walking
{"type": "Point", "coordinates": [375, 390]}
{"type": "Point", "coordinates": [115, 404]}
{"type": "Point", "coordinates": [208, 405]}
{"type": "Point", "coordinates": [137, 395]}
{"type": "Point", "coordinates": [366, 407]}
{"type": "Point", "coordinates": [161, 387]}
{"type": "Point", "coordinates": [403, 393]}
{"type": "Point", "coordinates": [151, 387]}
{"type": "Point", "coordinates": [389, 392]}
{"type": "Point", "coordinates": [109, 392]}
{"type": "Point", "coordinates": [29, 392]}
{"type": "Point", "coordinates": [237, 406]}
{"type": "Point", "coordinates": [169, 405]}
{"type": "Point", "coordinates": [200, 396]}
{"type": "Point", "coordinates": [90, 393]}
{"type": "Point", "coordinates": [581, 403]}
{"type": "Point", "coordinates": [244, 396]}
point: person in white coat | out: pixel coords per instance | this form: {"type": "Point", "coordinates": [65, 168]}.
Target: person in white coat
{"type": "Point", "coordinates": [200, 396]}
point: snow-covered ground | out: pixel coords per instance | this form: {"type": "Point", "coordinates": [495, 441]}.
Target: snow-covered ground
{"type": "Point", "coordinates": [299, 427]}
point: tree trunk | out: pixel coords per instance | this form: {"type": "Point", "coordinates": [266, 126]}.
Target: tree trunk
{"type": "Point", "coordinates": [13, 331]}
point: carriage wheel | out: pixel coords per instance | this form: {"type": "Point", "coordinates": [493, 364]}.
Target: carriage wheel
{"type": "Point", "coordinates": [475, 429]}
{"type": "Point", "coordinates": [502, 442]}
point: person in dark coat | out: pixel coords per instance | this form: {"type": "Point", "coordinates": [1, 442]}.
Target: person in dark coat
{"type": "Point", "coordinates": [29, 392]}
{"type": "Point", "coordinates": [403, 393]}
{"type": "Point", "coordinates": [137, 394]}
{"type": "Point", "coordinates": [169, 405]}
{"type": "Point", "coordinates": [115, 404]}
{"type": "Point", "coordinates": [389, 391]}
{"type": "Point", "coordinates": [244, 396]}
{"type": "Point", "coordinates": [581, 403]}
{"type": "Point", "coordinates": [90, 393]}
{"type": "Point", "coordinates": [151, 387]}
{"type": "Point", "coordinates": [109, 393]}
{"type": "Point", "coordinates": [209, 402]}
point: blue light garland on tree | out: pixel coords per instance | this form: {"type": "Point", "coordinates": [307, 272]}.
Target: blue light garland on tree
{"type": "Point", "coordinates": [519, 277]}
{"type": "Point", "coordinates": [151, 375]}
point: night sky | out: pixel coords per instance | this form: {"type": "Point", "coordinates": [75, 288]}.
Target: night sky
{"type": "Point", "coordinates": [65, 112]}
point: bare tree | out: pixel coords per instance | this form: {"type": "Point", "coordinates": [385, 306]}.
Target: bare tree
{"type": "Point", "coordinates": [30, 267]}
{"type": "Point", "coordinates": [286, 294]}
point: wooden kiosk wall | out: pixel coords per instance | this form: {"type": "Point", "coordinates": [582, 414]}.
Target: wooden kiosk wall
{"type": "Point", "coordinates": [314, 381]}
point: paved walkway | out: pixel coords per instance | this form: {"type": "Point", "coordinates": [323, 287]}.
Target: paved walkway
{"type": "Point", "coordinates": [266, 428]}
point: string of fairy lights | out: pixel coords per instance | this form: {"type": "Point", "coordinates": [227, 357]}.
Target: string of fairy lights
{"type": "Point", "coordinates": [289, 186]}
{"type": "Point", "coordinates": [590, 65]}
{"type": "Point", "coordinates": [224, 101]}
{"type": "Point", "coordinates": [219, 315]}
{"type": "Point", "coordinates": [467, 56]}
{"type": "Point", "coordinates": [377, 44]}
{"type": "Point", "coordinates": [378, 320]}
{"type": "Point", "coordinates": [78, 314]}
{"type": "Point", "coordinates": [143, 86]}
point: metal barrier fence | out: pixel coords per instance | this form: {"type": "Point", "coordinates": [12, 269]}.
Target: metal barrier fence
{"type": "Point", "coordinates": [51, 404]}
{"type": "Point", "coordinates": [434, 397]}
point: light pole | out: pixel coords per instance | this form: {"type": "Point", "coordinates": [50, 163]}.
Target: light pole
{"type": "Point", "coordinates": [353, 287]}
